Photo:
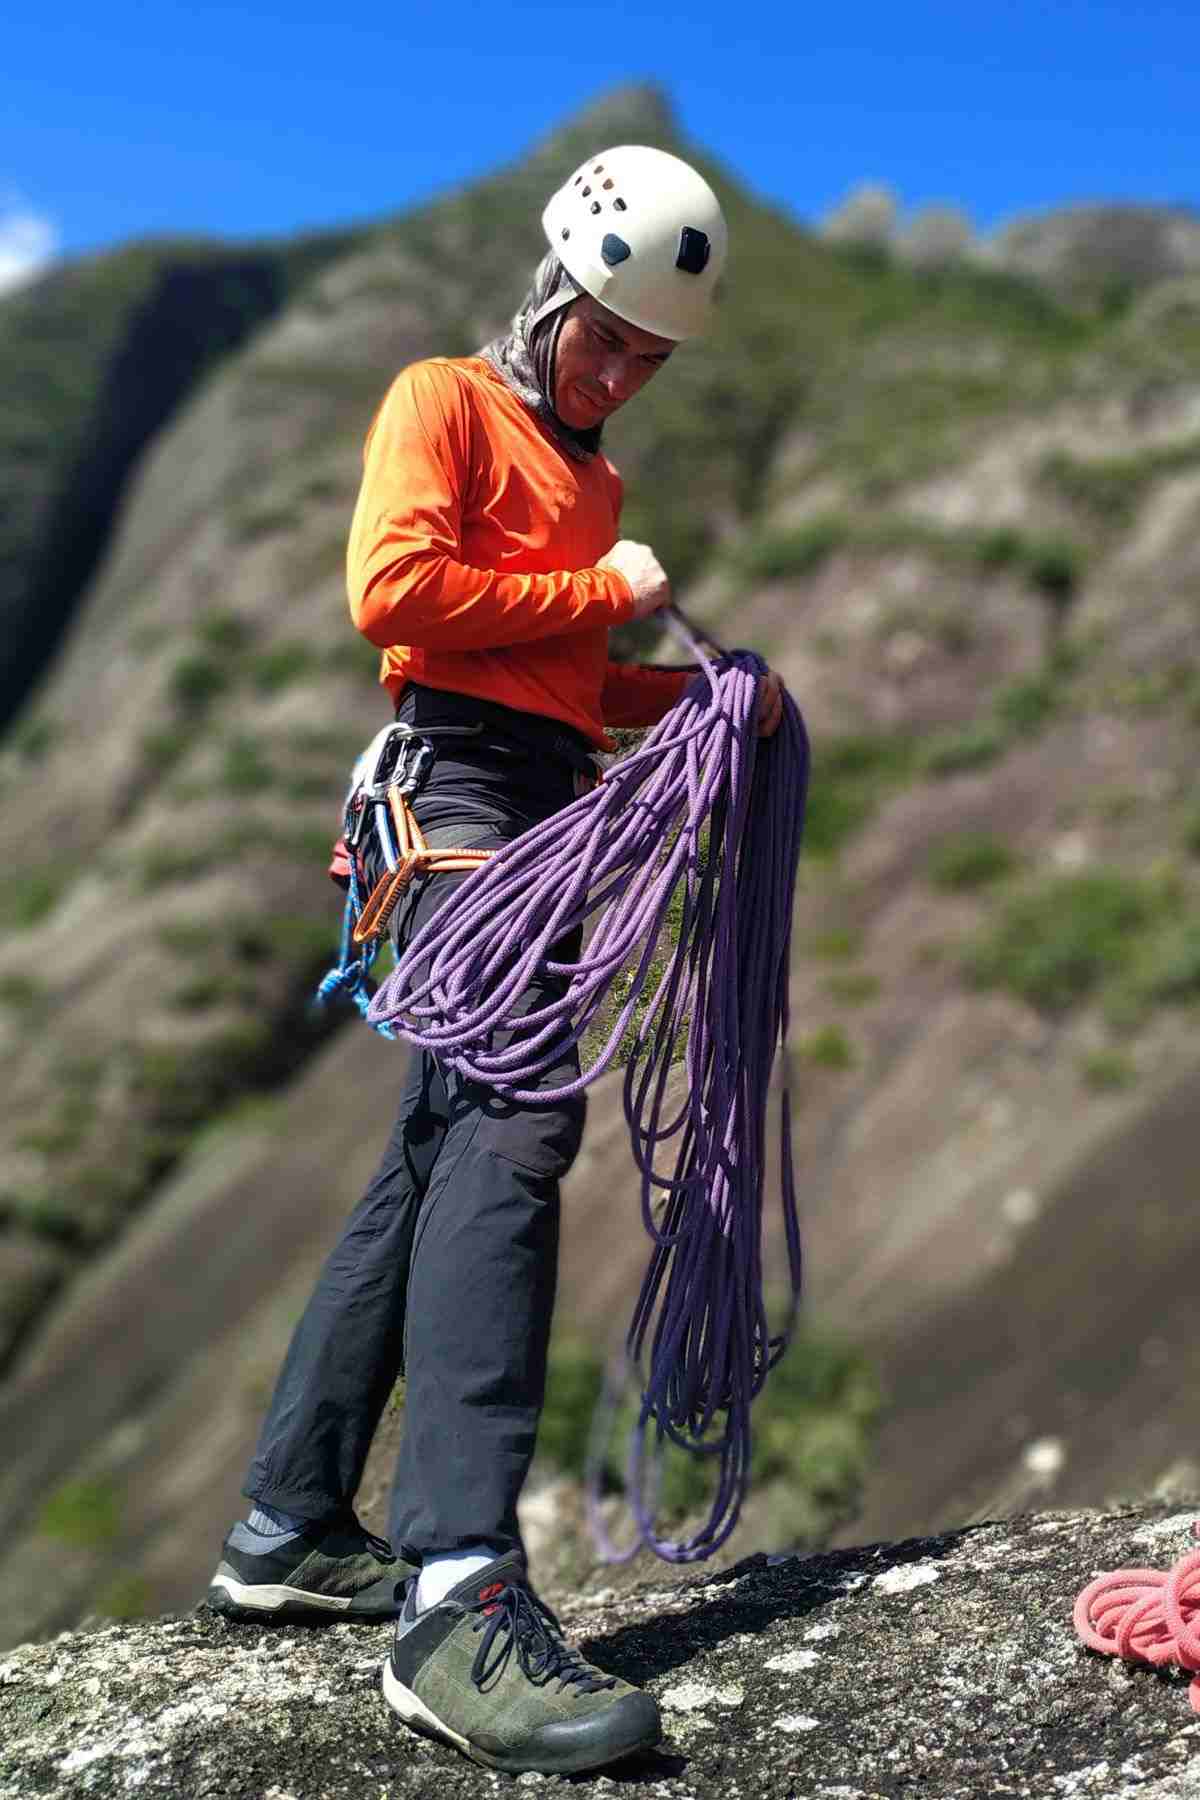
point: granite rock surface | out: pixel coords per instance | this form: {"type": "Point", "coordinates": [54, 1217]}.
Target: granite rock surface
{"type": "Point", "coordinates": [944, 1667]}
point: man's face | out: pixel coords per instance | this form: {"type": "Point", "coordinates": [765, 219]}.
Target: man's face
{"type": "Point", "coordinates": [601, 362]}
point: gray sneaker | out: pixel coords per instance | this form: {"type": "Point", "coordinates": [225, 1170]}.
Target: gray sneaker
{"type": "Point", "coordinates": [329, 1571]}
{"type": "Point", "coordinates": [489, 1671]}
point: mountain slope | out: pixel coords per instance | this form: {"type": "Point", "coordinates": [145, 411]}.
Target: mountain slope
{"type": "Point", "coordinates": [95, 357]}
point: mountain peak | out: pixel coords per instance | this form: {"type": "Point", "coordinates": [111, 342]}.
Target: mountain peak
{"type": "Point", "coordinates": [1098, 243]}
{"type": "Point", "coordinates": [634, 113]}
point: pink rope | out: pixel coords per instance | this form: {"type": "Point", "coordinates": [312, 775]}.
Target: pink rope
{"type": "Point", "coordinates": [1146, 1615]}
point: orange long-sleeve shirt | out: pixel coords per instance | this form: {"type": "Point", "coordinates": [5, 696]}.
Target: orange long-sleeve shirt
{"type": "Point", "coordinates": [473, 552]}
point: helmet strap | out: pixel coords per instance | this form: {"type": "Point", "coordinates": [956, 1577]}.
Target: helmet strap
{"type": "Point", "coordinates": [566, 293]}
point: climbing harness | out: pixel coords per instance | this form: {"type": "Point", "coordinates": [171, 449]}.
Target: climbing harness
{"type": "Point", "coordinates": [387, 774]}
{"type": "Point", "coordinates": [1147, 1615]}
{"type": "Point", "coordinates": [683, 861]}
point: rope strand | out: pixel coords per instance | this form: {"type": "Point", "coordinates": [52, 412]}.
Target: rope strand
{"type": "Point", "coordinates": [1146, 1615]}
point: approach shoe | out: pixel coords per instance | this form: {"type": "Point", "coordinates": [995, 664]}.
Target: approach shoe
{"type": "Point", "coordinates": [488, 1670]}
{"type": "Point", "coordinates": [333, 1570]}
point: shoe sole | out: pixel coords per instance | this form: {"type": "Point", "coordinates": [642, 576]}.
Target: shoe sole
{"type": "Point", "coordinates": [422, 1719]}
{"type": "Point", "coordinates": [237, 1600]}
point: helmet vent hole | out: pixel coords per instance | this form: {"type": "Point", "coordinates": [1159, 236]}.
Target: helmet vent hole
{"type": "Point", "coordinates": [608, 184]}
{"type": "Point", "coordinates": [577, 180]}
{"type": "Point", "coordinates": [614, 249]}
{"type": "Point", "coordinates": [586, 192]}
{"type": "Point", "coordinates": [595, 206]}
{"type": "Point", "coordinates": [566, 232]}
{"type": "Point", "coordinates": [619, 205]}
{"type": "Point", "coordinates": [599, 169]}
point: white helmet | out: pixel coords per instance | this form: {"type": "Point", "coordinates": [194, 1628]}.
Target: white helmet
{"type": "Point", "coordinates": [644, 233]}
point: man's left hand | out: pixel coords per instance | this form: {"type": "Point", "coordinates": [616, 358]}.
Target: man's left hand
{"type": "Point", "coordinates": [770, 704]}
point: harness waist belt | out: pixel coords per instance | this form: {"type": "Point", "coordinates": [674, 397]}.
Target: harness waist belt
{"type": "Point", "coordinates": [513, 733]}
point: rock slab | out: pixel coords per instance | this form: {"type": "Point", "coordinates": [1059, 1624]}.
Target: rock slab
{"type": "Point", "coordinates": [944, 1667]}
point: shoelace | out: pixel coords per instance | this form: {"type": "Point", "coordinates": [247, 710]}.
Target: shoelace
{"type": "Point", "coordinates": [542, 1652]}
{"type": "Point", "coordinates": [379, 1547]}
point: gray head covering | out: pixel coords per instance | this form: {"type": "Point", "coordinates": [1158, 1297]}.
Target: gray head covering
{"type": "Point", "coordinates": [524, 356]}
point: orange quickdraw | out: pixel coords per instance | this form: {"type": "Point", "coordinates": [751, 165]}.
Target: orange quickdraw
{"type": "Point", "coordinates": [416, 857]}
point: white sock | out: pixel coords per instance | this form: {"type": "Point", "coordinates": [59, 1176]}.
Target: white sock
{"type": "Point", "coordinates": [441, 1573]}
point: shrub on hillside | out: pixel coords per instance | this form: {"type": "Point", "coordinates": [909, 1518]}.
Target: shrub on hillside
{"type": "Point", "coordinates": [970, 747]}
{"type": "Point", "coordinates": [1056, 944]}
{"type": "Point", "coordinates": [778, 555]}
{"type": "Point", "coordinates": [813, 1431]}
{"type": "Point", "coordinates": [973, 860]}
{"type": "Point", "coordinates": [195, 682]}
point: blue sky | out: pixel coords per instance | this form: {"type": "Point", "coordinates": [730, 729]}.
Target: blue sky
{"type": "Point", "coordinates": [241, 117]}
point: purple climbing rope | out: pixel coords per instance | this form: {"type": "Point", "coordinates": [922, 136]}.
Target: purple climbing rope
{"type": "Point", "coordinates": [683, 862]}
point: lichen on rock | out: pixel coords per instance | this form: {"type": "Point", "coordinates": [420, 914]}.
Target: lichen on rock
{"type": "Point", "coordinates": [966, 1685]}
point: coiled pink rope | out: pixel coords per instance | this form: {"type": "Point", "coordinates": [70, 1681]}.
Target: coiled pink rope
{"type": "Point", "coordinates": [1146, 1615]}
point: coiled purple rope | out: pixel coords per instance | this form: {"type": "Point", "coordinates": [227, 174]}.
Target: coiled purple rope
{"type": "Point", "coordinates": [706, 817]}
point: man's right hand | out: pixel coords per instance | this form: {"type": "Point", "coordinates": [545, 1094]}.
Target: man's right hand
{"type": "Point", "coordinates": [644, 573]}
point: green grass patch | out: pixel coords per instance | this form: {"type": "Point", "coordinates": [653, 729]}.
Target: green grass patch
{"type": "Point", "coordinates": [1118, 807]}
{"type": "Point", "coordinates": [788, 555]}
{"type": "Point", "coordinates": [28, 895]}
{"type": "Point", "coordinates": [1056, 944]}
{"type": "Point", "coordinates": [828, 1048]}
{"type": "Point", "coordinates": [20, 991]}
{"type": "Point", "coordinates": [850, 775]}
{"type": "Point", "coordinates": [200, 994]}
{"type": "Point", "coordinates": [167, 746]}
{"type": "Point", "coordinates": [966, 747]}
{"type": "Point", "coordinates": [841, 943]}
{"type": "Point", "coordinates": [1107, 1071]}
{"type": "Point", "coordinates": [162, 865]}
{"type": "Point", "coordinates": [1110, 490]}
{"type": "Point", "coordinates": [853, 987]}
{"type": "Point", "coordinates": [65, 1132]}
{"type": "Point", "coordinates": [281, 665]}
{"type": "Point", "coordinates": [1054, 567]}
{"type": "Point", "coordinates": [1166, 970]}
{"type": "Point", "coordinates": [1024, 707]}
{"type": "Point", "coordinates": [86, 1514]}
{"type": "Point", "coordinates": [245, 767]}
{"type": "Point", "coordinates": [32, 739]}
{"type": "Point", "coordinates": [814, 1426]}
{"type": "Point", "coordinates": [125, 1597]}
{"type": "Point", "coordinates": [970, 861]}
{"type": "Point", "coordinates": [248, 524]}
{"type": "Point", "coordinates": [304, 939]}
{"type": "Point", "coordinates": [188, 937]}
{"type": "Point", "coordinates": [224, 631]}
{"type": "Point", "coordinates": [195, 682]}
{"type": "Point", "coordinates": [1150, 692]}
{"type": "Point", "coordinates": [353, 656]}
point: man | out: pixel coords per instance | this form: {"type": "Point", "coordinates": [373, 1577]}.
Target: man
{"type": "Point", "coordinates": [485, 562]}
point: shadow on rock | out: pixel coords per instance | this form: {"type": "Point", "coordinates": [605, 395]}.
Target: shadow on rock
{"type": "Point", "coordinates": [767, 1589]}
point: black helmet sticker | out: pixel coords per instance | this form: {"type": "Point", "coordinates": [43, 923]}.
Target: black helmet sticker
{"type": "Point", "coordinates": [614, 249]}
